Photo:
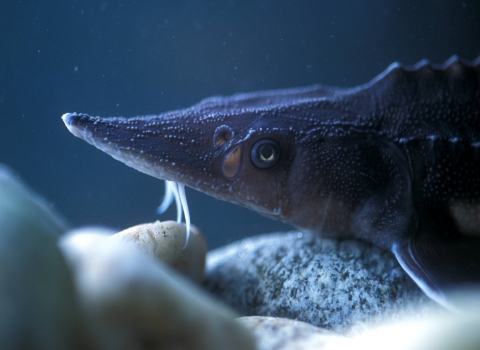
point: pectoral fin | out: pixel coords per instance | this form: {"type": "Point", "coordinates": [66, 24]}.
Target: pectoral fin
{"type": "Point", "coordinates": [442, 266]}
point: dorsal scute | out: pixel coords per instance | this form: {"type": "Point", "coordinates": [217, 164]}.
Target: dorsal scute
{"type": "Point", "coordinates": [454, 68]}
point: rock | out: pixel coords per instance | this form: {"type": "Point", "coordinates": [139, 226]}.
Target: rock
{"type": "Point", "coordinates": [19, 206]}
{"type": "Point", "coordinates": [328, 283]}
{"type": "Point", "coordinates": [138, 302]}
{"type": "Point", "coordinates": [38, 305]}
{"type": "Point", "coordinates": [274, 333]}
{"type": "Point", "coordinates": [165, 241]}
{"type": "Point", "coordinates": [435, 331]}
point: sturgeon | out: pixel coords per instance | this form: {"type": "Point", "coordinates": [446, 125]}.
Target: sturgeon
{"type": "Point", "coordinates": [395, 161]}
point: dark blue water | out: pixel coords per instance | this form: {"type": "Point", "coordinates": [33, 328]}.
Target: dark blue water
{"type": "Point", "coordinates": [144, 57]}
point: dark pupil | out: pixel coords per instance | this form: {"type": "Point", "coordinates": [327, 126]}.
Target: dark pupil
{"type": "Point", "coordinates": [266, 152]}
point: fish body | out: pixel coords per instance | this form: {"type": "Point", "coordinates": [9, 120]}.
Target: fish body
{"type": "Point", "coordinates": [395, 162]}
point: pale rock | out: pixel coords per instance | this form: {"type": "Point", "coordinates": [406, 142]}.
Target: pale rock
{"type": "Point", "coordinates": [328, 283]}
{"type": "Point", "coordinates": [165, 241]}
{"type": "Point", "coordinates": [38, 304]}
{"type": "Point", "coordinates": [275, 333]}
{"type": "Point", "coordinates": [437, 330]}
{"type": "Point", "coordinates": [141, 304]}
{"type": "Point", "coordinates": [20, 207]}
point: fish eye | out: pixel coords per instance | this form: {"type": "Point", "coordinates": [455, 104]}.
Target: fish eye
{"type": "Point", "coordinates": [265, 153]}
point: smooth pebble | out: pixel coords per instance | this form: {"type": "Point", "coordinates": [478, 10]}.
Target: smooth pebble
{"type": "Point", "coordinates": [38, 301]}
{"type": "Point", "coordinates": [141, 304]}
{"type": "Point", "coordinates": [165, 241]}
{"type": "Point", "coordinates": [275, 333]}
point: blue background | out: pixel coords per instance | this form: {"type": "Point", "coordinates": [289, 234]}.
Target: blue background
{"type": "Point", "coordinates": [125, 58]}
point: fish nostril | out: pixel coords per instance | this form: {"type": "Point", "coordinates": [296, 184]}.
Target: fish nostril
{"type": "Point", "coordinates": [222, 135]}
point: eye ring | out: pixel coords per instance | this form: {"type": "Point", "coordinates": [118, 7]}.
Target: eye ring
{"type": "Point", "coordinates": [265, 153]}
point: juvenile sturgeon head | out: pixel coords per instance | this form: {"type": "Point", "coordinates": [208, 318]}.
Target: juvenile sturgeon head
{"type": "Point", "coordinates": [223, 153]}
{"type": "Point", "coordinates": [260, 150]}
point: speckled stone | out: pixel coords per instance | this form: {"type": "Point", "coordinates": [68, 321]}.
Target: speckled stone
{"type": "Point", "coordinates": [328, 283]}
